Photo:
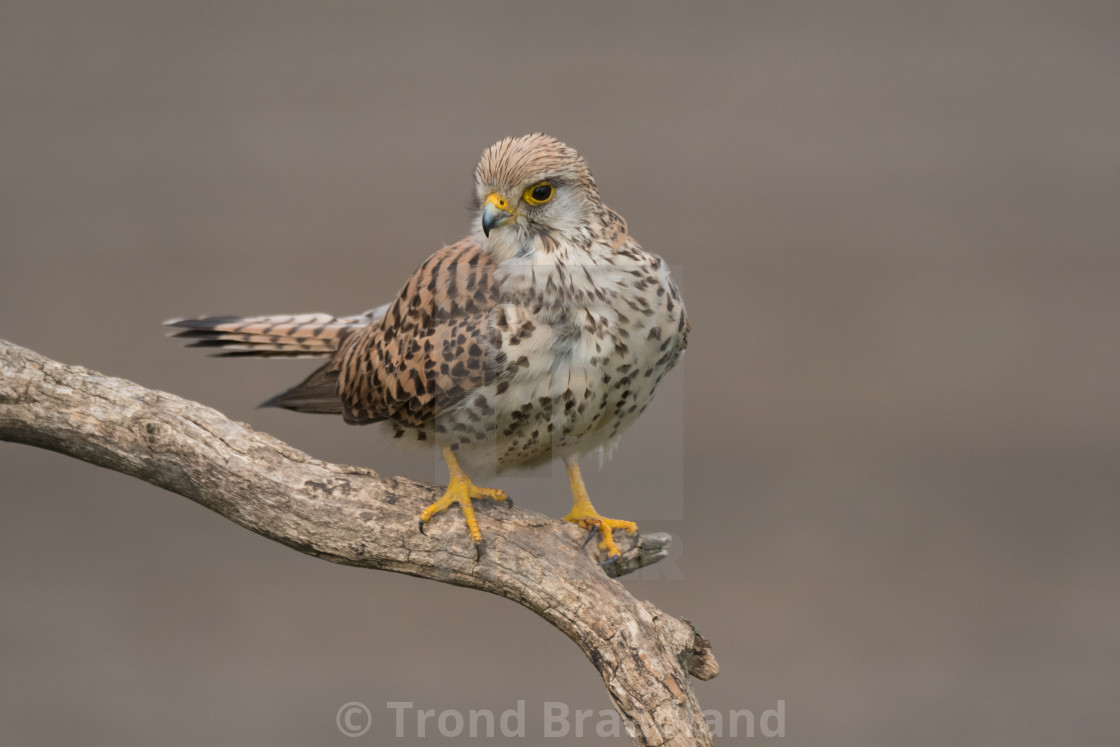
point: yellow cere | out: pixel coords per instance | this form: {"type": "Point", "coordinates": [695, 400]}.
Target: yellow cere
{"type": "Point", "coordinates": [497, 201]}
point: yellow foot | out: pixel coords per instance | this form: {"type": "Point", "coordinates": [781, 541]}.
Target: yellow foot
{"type": "Point", "coordinates": [592, 522]}
{"type": "Point", "coordinates": [461, 490]}
{"type": "Point", "coordinates": [584, 514]}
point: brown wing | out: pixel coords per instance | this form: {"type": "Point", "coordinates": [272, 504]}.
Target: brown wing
{"type": "Point", "coordinates": [431, 348]}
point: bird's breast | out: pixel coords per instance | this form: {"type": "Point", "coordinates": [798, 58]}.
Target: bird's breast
{"type": "Point", "coordinates": [580, 351]}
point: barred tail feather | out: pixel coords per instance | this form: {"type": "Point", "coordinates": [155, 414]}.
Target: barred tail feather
{"type": "Point", "coordinates": [288, 336]}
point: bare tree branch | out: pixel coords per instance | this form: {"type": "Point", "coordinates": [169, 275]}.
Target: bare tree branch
{"type": "Point", "coordinates": [356, 517]}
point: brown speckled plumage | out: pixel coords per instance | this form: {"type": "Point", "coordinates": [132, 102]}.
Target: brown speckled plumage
{"type": "Point", "coordinates": [542, 334]}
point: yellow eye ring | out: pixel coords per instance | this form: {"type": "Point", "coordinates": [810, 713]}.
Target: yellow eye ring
{"type": "Point", "coordinates": [539, 193]}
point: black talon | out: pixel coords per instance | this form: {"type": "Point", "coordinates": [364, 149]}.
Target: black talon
{"type": "Point", "coordinates": [422, 528]}
{"type": "Point", "coordinates": [612, 560]}
{"type": "Point", "coordinates": [508, 502]}
{"type": "Point", "coordinates": [590, 536]}
{"type": "Point", "coordinates": [477, 551]}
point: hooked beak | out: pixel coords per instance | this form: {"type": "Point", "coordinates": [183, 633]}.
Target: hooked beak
{"type": "Point", "coordinates": [495, 212]}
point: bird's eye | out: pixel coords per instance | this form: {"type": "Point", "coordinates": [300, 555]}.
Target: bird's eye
{"type": "Point", "coordinates": [539, 194]}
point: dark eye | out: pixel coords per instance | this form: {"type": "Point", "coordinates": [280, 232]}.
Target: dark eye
{"type": "Point", "coordinates": [539, 194]}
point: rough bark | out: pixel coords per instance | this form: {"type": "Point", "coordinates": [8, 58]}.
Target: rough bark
{"type": "Point", "coordinates": [354, 516]}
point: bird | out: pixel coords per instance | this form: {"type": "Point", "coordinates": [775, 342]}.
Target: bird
{"type": "Point", "coordinates": [541, 335]}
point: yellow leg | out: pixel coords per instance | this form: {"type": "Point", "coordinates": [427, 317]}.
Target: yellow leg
{"type": "Point", "coordinates": [461, 490]}
{"type": "Point", "coordinates": [584, 514]}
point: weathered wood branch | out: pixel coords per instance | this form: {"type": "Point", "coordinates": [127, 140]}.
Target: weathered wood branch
{"type": "Point", "coordinates": [357, 517]}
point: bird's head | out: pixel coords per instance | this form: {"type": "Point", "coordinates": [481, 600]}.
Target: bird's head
{"type": "Point", "coordinates": [532, 187]}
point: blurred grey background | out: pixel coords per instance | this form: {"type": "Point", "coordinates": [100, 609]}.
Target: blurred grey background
{"type": "Point", "coordinates": [891, 457]}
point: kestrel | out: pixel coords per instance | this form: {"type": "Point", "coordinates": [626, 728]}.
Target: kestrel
{"type": "Point", "coordinates": [541, 335]}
